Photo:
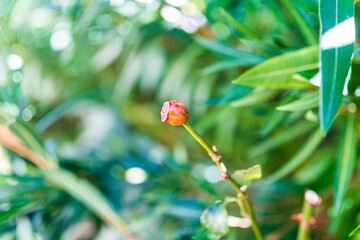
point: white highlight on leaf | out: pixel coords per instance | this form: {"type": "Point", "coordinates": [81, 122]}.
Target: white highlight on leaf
{"type": "Point", "coordinates": [316, 80]}
{"type": "Point", "coordinates": [346, 85]}
{"type": "Point", "coordinates": [341, 35]}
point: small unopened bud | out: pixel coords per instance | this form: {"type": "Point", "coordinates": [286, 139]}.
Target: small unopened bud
{"type": "Point", "coordinates": [174, 113]}
{"type": "Point", "coordinates": [224, 176]}
{"type": "Point", "coordinates": [243, 188]}
{"type": "Point", "coordinates": [312, 198]}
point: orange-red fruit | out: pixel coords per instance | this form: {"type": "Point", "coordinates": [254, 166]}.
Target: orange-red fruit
{"type": "Point", "coordinates": [174, 113]}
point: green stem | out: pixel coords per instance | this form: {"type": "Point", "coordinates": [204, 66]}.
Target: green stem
{"type": "Point", "coordinates": [304, 226]}
{"type": "Point", "coordinates": [217, 160]}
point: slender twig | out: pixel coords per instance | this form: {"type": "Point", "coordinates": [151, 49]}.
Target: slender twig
{"type": "Point", "coordinates": [216, 157]}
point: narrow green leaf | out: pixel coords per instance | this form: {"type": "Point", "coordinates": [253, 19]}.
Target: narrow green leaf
{"type": "Point", "coordinates": [223, 65]}
{"type": "Point", "coordinates": [244, 177]}
{"type": "Point", "coordinates": [278, 72]}
{"type": "Point", "coordinates": [337, 44]}
{"type": "Point", "coordinates": [229, 51]}
{"type": "Point", "coordinates": [307, 102]}
{"type": "Point", "coordinates": [257, 96]}
{"type": "Point", "coordinates": [345, 161]}
{"type": "Point", "coordinates": [277, 140]}
{"type": "Point", "coordinates": [86, 193]}
{"type": "Point", "coordinates": [215, 219]}
{"type": "Point", "coordinates": [304, 153]}
{"type": "Point", "coordinates": [354, 231]}
{"type": "Point", "coordinates": [239, 26]}
{"type": "Point", "coordinates": [307, 32]}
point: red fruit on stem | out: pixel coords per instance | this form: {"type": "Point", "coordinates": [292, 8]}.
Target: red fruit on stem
{"type": "Point", "coordinates": [174, 113]}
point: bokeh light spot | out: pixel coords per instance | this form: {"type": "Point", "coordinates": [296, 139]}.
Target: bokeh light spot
{"type": "Point", "coordinates": [135, 175]}
{"type": "Point", "coordinates": [60, 39]}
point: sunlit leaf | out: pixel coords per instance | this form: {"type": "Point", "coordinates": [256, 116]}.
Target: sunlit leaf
{"type": "Point", "coordinates": [337, 44]}
{"type": "Point", "coordinates": [278, 72]}
{"type": "Point", "coordinates": [244, 177]}
{"type": "Point", "coordinates": [345, 161]}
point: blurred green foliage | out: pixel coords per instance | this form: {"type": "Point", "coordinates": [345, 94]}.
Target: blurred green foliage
{"type": "Point", "coordinates": [87, 78]}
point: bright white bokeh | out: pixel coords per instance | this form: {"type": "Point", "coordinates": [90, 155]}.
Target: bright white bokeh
{"type": "Point", "coordinates": [60, 39]}
{"type": "Point", "coordinates": [15, 61]}
{"type": "Point", "coordinates": [177, 3]}
{"type": "Point", "coordinates": [135, 175]}
{"type": "Point", "coordinates": [116, 3]}
{"type": "Point", "coordinates": [171, 15]}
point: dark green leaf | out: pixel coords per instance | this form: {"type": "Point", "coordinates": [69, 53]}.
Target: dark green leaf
{"type": "Point", "coordinates": [336, 18]}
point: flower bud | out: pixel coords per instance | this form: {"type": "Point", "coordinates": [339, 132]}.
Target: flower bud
{"type": "Point", "coordinates": [174, 112]}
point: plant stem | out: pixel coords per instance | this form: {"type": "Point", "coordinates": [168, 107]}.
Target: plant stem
{"type": "Point", "coordinates": [311, 201]}
{"type": "Point", "coordinates": [216, 157]}
{"type": "Point", "coordinates": [304, 226]}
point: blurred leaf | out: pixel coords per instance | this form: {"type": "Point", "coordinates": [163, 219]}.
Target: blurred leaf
{"type": "Point", "coordinates": [239, 26]}
{"type": "Point", "coordinates": [336, 18]}
{"type": "Point", "coordinates": [354, 231]}
{"type": "Point", "coordinates": [300, 156]}
{"type": "Point", "coordinates": [278, 71]}
{"type": "Point", "coordinates": [86, 193]}
{"type": "Point", "coordinates": [11, 213]}
{"type": "Point", "coordinates": [223, 65]}
{"type": "Point", "coordinates": [277, 140]}
{"type": "Point", "coordinates": [315, 168]}
{"type": "Point", "coordinates": [306, 102]}
{"type": "Point", "coordinates": [257, 96]}
{"type": "Point", "coordinates": [244, 177]}
{"type": "Point", "coordinates": [307, 32]}
{"type": "Point", "coordinates": [345, 161]}
{"type": "Point", "coordinates": [215, 219]}
{"type": "Point", "coordinates": [230, 52]}
{"type": "Point", "coordinates": [59, 111]}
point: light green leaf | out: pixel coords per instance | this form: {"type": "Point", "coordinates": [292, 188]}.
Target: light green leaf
{"type": "Point", "coordinates": [87, 194]}
{"type": "Point", "coordinates": [215, 219]}
{"type": "Point", "coordinates": [278, 72]}
{"type": "Point", "coordinates": [345, 161]}
{"type": "Point", "coordinates": [304, 153]}
{"type": "Point", "coordinates": [307, 102]}
{"type": "Point", "coordinates": [244, 177]}
{"type": "Point", "coordinates": [336, 19]}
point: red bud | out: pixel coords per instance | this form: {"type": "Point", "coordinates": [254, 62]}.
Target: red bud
{"type": "Point", "coordinates": [174, 112]}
